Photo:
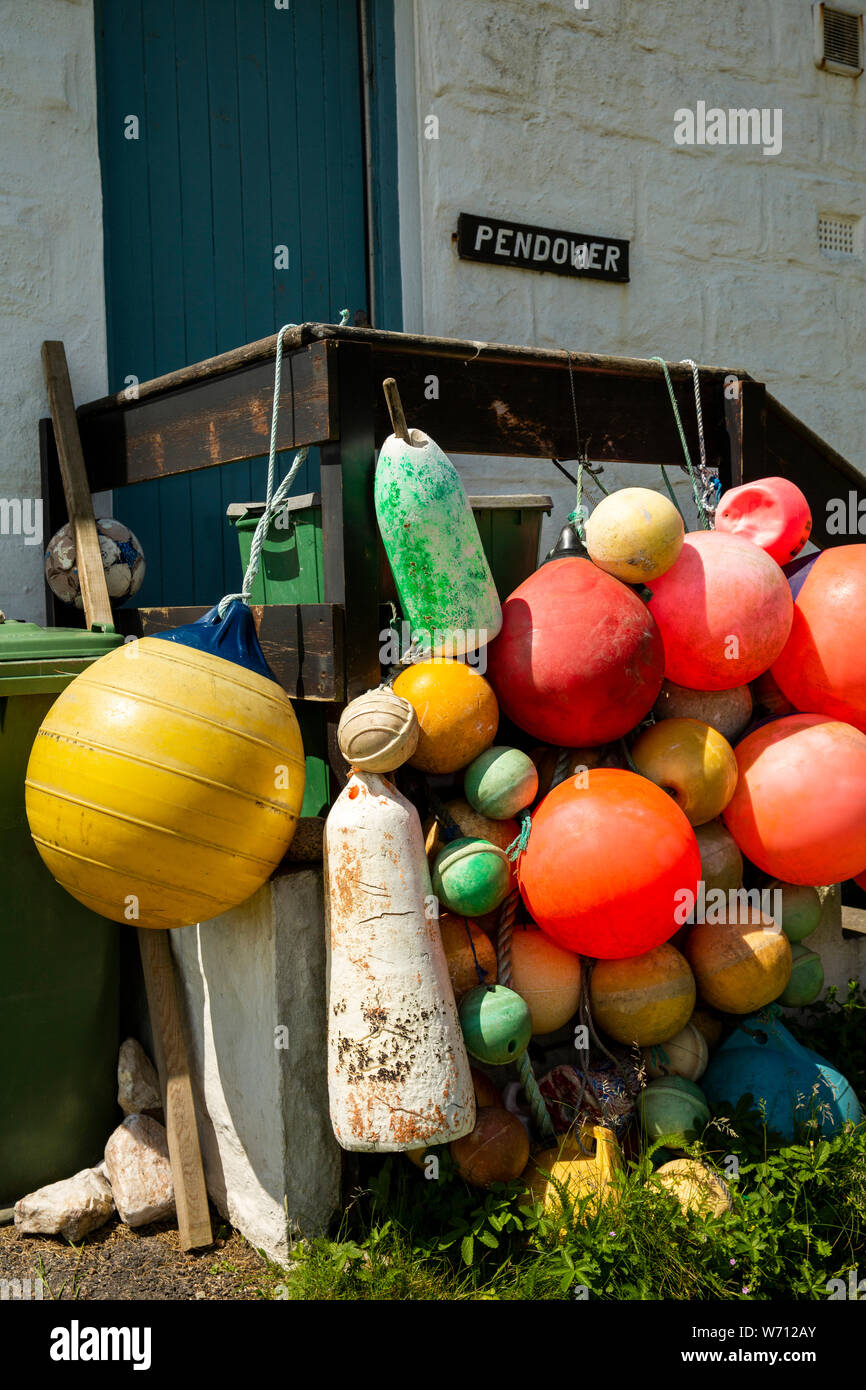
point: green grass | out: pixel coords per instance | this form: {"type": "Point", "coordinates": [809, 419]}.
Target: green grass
{"type": "Point", "coordinates": [798, 1220]}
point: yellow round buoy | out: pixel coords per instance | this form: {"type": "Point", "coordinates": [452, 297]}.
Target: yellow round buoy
{"type": "Point", "coordinates": [696, 1187]}
{"type": "Point", "coordinates": [634, 534]}
{"type": "Point", "coordinates": [692, 762]}
{"type": "Point", "coordinates": [378, 732]}
{"type": "Point", "coordinates": [685, 1054]}
{"type": "Point", "coordinates": [643, 999]}
{"type": "Point", "coordinates": [546, 977]}
{"type": "Point", "coordinates": [165, 783]}
{"type": "Point", "coordinates": [739, 966]}
{"type": "Point", "coordinates": [457, 713]}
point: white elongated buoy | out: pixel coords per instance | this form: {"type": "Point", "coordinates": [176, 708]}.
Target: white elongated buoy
{"type": "Point", "coordinates": [398, 1071]}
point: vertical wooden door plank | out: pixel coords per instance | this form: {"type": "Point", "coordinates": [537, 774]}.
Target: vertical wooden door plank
{"type": "Point", "coordinates": [193, 133]}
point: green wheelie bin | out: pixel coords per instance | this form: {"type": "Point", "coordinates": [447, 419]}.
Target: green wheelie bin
{"type": "Point", "coordinates": [59, 972]}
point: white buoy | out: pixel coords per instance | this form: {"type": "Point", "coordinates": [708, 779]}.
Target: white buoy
{"type": "Point", "coordinates": [398, 1071]}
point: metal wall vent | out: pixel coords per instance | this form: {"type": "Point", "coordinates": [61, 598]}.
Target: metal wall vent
{"type": "Point", "coordinates": [838, 40]}
{"type": "Point", "coordinates": [837, 234]}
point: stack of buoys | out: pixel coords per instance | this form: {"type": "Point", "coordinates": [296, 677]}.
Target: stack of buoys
{"type": "Point", "coordinates": [638, 665]}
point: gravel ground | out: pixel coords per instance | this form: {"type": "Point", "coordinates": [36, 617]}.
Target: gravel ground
{"type": "Point", "coordinates": [118, 1263]}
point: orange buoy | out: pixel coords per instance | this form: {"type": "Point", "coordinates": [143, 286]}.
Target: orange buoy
{"type": "Point", "coordinates": [799, 810]}
{"type": "Point", "coordinates": [644, 999]}
{"type": "Point", "coordinates": [579, 659]}
{"type": "Point", "coordinates": [546, 977]}
{"type": "Point", "coordinates": [465, 944]}
{"type": "Point", "coordinates": [496, 1150]}
{"type": "Point", "coordinates": [724, 611]}
{"type": "Point", "coordinates": [822, 667]}
{"type": "Point", "coordinates": [457, 713]}
{"type": "Point", "coordinates": [770, 512]}
{"type": "Point", "coordinates": [486, 1093]}
{"type": "Point", "coordinates": [608, 854]}
{"type": "Point", "coordinates": [739, 966]}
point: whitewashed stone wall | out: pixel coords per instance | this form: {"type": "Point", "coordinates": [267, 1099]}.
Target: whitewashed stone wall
{"type": "Point", "coordinates": [51, 276]}
{"type": "Point", "coordinates": [564, 117]}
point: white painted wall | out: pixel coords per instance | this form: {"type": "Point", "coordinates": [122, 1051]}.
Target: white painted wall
{"type": "Point", "coordinates": [51, 275]}
{"type": "Point", "coordinates": [565, 117]}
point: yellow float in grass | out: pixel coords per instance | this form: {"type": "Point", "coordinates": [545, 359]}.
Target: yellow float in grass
{"type": "Point", "coordinates": [696, 1187]}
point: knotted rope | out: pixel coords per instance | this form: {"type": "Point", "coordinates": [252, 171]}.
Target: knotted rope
{"type": "Point", "coordinates": [275, 497]}
{"type": "Point", "coordinates": [705, 485]}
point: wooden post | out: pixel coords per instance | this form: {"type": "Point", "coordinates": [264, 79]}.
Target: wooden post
{"type": "Point", "coordinates": [91, 575]}
{"type": "Point", "coordinates": [183, 1146]}
{"type": "Point", "coordinates": [745, 418]}
{"type": "Point", "coordinates": [190, 1192]}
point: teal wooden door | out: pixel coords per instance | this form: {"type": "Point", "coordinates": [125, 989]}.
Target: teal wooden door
{"type": "Point", "coordinates": [232, 147]}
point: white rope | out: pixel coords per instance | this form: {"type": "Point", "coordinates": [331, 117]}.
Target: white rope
{"type": "Point", "coordinates": [274, 499]}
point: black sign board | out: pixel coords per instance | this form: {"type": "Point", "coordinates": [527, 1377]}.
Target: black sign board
{"type": "Point", "coordinates": [541, 248]}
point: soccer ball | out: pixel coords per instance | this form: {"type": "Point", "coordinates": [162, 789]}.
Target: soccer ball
{"type": "Point", "coordinates": [122, 560]}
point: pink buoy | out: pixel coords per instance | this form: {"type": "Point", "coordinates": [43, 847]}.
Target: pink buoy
{"type": "Point", "coordinates": [724, 611]}
{"type": "Point", "coordinates": [799, 809]}
{"type": "Point", "coordinates": [822, 667]}
{"type": "Point", "coordinates": [770, 512]}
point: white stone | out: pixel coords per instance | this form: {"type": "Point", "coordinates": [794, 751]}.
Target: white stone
{"type": "Point", "coordinates": [137, 1081]}
{"type": "Point", "coordinates": [138, 1167]}
{"type": "Point", "coordinates": [70, 1208]}
{"type": "Point", "coordinates": [253, 985]}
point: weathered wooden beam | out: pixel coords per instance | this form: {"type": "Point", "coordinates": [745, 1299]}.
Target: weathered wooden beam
{"type": "Point", "coordinates": [206, 420]}
{"type": "Point", "coordinates": [796, 452]}
{"type": "Point", "coordinates": [350, 535]}
{"type": "Point", "coordinates": [525, 409]}
{"type": "Point", "coordinates": [746, 420]}
{"type": "Point", "coordinates": [302, 643]}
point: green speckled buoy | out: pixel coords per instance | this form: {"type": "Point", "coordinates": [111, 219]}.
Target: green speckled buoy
{"type": "Point", "coordinates": [807, 978]}
{"type": "Point", "coordinates": [471, 876]}
{"type": "Point", "coordinates": [496, 1023]}
{"type": "Point", "coordinates": [801, 909]}
{"type": "Point", "coordinates": [673, 1109]}
{"type": "Point", "coordinates": [500, 782]}
{"type": "Point", "coordinates": [433, 546]}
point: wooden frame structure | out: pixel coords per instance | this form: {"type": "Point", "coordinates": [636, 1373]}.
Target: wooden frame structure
{"type": "Point", "coordinates": [488, 399]}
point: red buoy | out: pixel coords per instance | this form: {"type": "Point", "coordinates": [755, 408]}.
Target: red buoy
{"type": "Point", "coordinates": [799, 810]}
{"type": "Point", "coordinates": [822, 667]}
{"type": "Point", "coordinates": [608, 852]}
{"type": "Point", "coordinates": [579, 660]}
{"type": "Point", "coordinates": [771, 512]}
{"type": "Point", "coordinates": [724, 612]}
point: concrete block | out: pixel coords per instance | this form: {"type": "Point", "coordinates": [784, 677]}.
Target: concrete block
{"type": "Point", "coordinates": [253, 983]}
{"type": "Point", "coordinates": [843, 958]}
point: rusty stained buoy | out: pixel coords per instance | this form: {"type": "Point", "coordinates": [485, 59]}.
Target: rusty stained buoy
{"type": "Point", "coordinates": [398, 1071]}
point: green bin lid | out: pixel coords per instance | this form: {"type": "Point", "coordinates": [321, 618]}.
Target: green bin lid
{"type": "Point", "coordinates": [38, 660]}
